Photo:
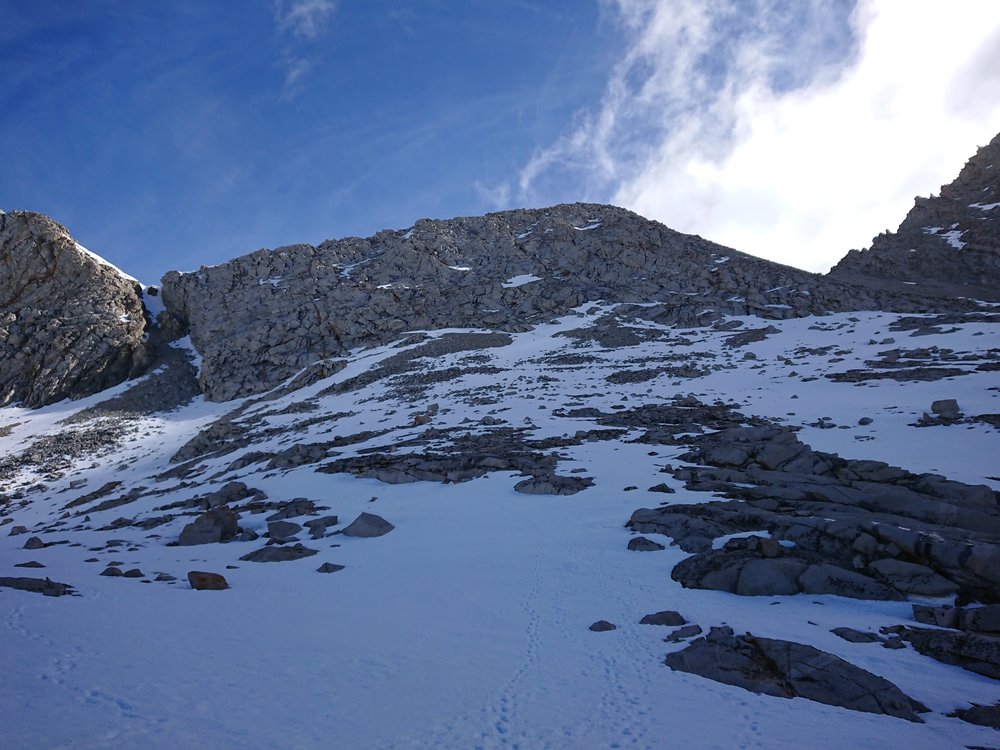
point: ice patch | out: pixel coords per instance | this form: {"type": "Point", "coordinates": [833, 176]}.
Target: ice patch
{"type": "Point", "coordinates": [460, 268]}
{"type": "Point", "coordinates": [588, 227]}
{"type": "Point", "coordinates": [272, 280]}
{"type": "Point", "coordinates": [984, 206]}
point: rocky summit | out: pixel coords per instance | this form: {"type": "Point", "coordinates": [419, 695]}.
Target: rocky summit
{"type": "Point", "coordinates": [585, 482]}
{"type": "Point", "coordinates": [948, 245]}
{"type": "Point", "coordinates": [70, 323]}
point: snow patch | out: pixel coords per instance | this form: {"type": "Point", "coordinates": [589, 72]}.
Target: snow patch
{"type": "Point", "coordinates": [516, 281]}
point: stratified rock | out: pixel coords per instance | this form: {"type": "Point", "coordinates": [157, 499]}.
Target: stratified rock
{"type": "Point", "coordinates": [216, 525]}
{"type": "Point", "coordinates": [368, 525]}
{"type": "Point", "coordinates": [788, 670]}
{"type": "Point", "coordinates": [976, 652]}
{"type": "Point", "coordinates": [70, 324]}
{"type": "Point", "coordinates": [602, 626]}
{"type": "Point", "coordinates": [203, 581]}
{"type": "Point", "coordinates": [43, 586]}
{"type": "Point", "coordinates": [279, 554]}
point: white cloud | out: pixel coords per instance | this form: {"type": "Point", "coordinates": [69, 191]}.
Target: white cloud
{"type": "Point", "coordinates": [767, 133]}
{"type": "Point", "coordinates": [304, 18]}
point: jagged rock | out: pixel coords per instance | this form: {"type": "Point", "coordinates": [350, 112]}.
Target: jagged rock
{"type": "Point", "coordinates": [216, 525]}
{"type": "Point", "coordinates": [603, 626]}
{"type": "Point", "coordinates": [203, 581]}
{"type": "Point", "coordinates": [42, 586]}
{"type": "Point", "coordinates": [787, 670]}
{"type": "Point", "coordinates": [318, 526]}
{"type": "Point", "coordinates": [368, 525]}
{"type": "Point", "coordinates": [947, 245]}
{"type": "Point", "coordinates": [70, 324]}
{"type": "Point", "coordinates": [666, 617]}
{"type": "Point", "coordinates": [642, 544]}
{"type": "Point", "coordinates": [279, 554]}
{"type": "Point", "coordinates": [329, 568]}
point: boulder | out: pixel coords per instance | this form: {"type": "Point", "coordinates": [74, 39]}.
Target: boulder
{"type": "Point", "coordinates": [216, 525]}
{"type": "Point", "coordinates": [280, 531]}
{"type": "Point", "coordinates": [202, 581]}
{"type": "Point", "coordinates": [329, 568]}
{"type": "Point", "coordinates": [300, 506]}
{"type": "Point", "coordinates": [787, 670]}
{"type": "Point", "coordinates": [666, 617]}
{"type": "Point", "coordinates": [44, 586]}
{"type": "Point", "coordinates": [642, 544]}
{"type": "Point", "coordinates": [551, 484]}
{"type": "Point", "coordinates": [368, 525]}
{"type": "Point", "coordinates": [602, 626]}
{"type": "Point", "coordinates": [318, 526]}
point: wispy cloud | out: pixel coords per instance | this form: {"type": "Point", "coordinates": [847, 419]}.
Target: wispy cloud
{"type": "Point", "coordinates": [304, 18]}
{"type": "Point", "coordinates": [304, 21]}
{"type": "Point", "coordinates": [794, 130]}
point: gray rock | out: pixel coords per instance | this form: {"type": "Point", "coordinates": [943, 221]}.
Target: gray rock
{"type": "Point", "coordinates": [15, 530]}
{"type": "Point", "coordinates": [279, 554]}
{"type": "Point", "coordinates": [911, 578]}
{"type": "Point", "coordinates": [770, 577]}
{"type": "Point", "coordinates": [788, 670]}
{"type": "Point", "coordinates": [318, 526]}
{"type": "Point", "coordinates": [70, 325]}
{"type": "Point", "coordinates": [300, 506]}
{"type": "Point", "coordinates": [29, 564]}
{"type": "Point", "coordinates": [985, 716]}
{"type": "Point", "coordinates": [280, 531]}
{"type": "Point", "coordinates": [329, 568]}
{"type": "Point", "coordinates": [976, 652]}
{"type": "Point", "coordinates": [112, 571]}
{"type": "Point", "coordinates": [43, 586]}
{"type": "Point", "coordinates": [642, 544]}
{"type": "Point", "coordinates": [855, 636]}
{"type": "Point", "coordinates": [666, 617]}
{"type": "Point", "coordinates": [551, 484]}
{"type": "Point", "coordinates": [946, 409]}
{"type": "Point", "coordinates": [830, 579]}
{"type": "Point", "coordinates": [368, 525]}
{"type": "Point", "coordinates": [34, 542]}
{"type": "Point", "coordinates": [602, 626]}
{"type": "Point", "coordinates": [683, 633]}
{"type": "Point", "coordinates": [216, 525]}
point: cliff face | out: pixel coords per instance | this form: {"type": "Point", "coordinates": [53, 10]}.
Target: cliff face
{"type": "Point", "coordinates": [261, 318]}
{"type": "Point", "coordinates": [70, 324]}
{"type": "Point", "coordinates": [947, 245]}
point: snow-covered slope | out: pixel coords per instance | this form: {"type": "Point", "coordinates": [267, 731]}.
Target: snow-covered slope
{"type": "Point", "coordinates": [467, 625]}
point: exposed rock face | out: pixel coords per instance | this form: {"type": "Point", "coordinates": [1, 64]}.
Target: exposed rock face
{"type": "Point", "coordinates": [262, 318]}
{"type": "Point", "coordinates": [70, 324]}
{"type": "Point", "coordinates": [788, 670]}
{"type": "Point", "coordinates": [946, 245]}
{"type": "Point", "coordinates": [861, 529]}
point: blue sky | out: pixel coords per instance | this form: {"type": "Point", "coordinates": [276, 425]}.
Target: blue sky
{"type": "Point", "coordinates": [166, 135]}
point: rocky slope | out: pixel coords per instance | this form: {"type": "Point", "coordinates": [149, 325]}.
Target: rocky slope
{"type": "Point", "coordinates": [261, 318]}
{"type": "Point", "coordinates": [70, 324]}
{"type": "Point", "coordinates": [948, 245]}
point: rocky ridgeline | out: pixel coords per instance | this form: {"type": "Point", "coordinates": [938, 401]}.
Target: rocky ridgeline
{"type": "Point", "coordinates": [70, 324]}
{"type": "Point", "coordinates": [947, 244]}
{"type": "Point", "coordinates": [259, 319]}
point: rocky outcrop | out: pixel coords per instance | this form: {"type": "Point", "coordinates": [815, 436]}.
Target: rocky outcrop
{"type": "Point", "coordinates": [260, 319]}
{"type": "Point", "coordinates": [70, 324]}
{"type": "Point", "coordinates": [804, 521]}
{"type": "Point", "coordinates": [947, 244]}
{"type": "Point", "coordinates": [788, 670]}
